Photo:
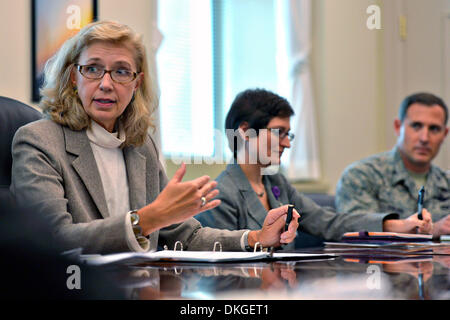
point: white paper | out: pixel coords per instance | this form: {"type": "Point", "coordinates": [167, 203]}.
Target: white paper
{"type": "Point", "coordinates": [196, 256]}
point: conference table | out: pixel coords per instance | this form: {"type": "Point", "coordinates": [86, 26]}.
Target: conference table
{"type": "Point", "coordinates": [339, 275]}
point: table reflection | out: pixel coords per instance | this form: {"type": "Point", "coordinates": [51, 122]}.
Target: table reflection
{"type": "Point", "coordinates": [339, 278]}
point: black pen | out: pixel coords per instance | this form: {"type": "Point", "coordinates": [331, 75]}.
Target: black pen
{"type": "Point", "coordinates": [420, 203]}
{"type": "Point", "coordinates": [289, 217]}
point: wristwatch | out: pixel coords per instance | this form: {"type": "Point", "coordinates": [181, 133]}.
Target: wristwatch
{"type": "Point", "coordinates": [134, 217]}
{"type": "Point", "coordinates": [246, 245]}
{"type": "Point", "coordinates": [143, 241]}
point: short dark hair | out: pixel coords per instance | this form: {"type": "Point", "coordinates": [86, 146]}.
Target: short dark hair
{"type": "Point", "coordinates": [424, 98]}
{"type": "Point", "coordinates": [256, 107]}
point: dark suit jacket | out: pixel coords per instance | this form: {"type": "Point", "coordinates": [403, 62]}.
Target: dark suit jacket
{"type": "Point", "coordinates": [54, 170]}
{"type": "Point", "coordinates": [241, 208]}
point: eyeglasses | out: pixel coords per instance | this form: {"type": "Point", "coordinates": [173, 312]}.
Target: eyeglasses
{"type": "Point", "coordinates": [95, 72]}
{"type": "Point", "coordinates": [282, 134]}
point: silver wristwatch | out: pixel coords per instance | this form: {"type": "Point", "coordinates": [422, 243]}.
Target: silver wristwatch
{"type": "Point", "coordinates": [137, 230]}
{"type": "Point", "coordinates": [134, 217]}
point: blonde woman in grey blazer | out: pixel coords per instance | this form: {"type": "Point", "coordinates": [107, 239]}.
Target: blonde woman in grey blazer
{"type": "Point", "coordinates": [258, 125]}
{"type": "Point", "coordinates": [92, 169]}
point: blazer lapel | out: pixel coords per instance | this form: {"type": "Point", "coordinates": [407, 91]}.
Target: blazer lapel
{"type": "Point", "coordinates": [77, 143]}
{"type": "Point", "coordinates": [255, 208]}
{"type": "Point", "coordinates": [136, 169]}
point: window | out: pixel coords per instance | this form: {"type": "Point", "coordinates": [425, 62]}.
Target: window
{"type": "Point", "coordinates": [211, 51]}
{"type": "Point", "coordinates": [185, 67]}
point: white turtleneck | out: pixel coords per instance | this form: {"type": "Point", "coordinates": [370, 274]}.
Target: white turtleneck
{"type": "Point", "coordinates": [113, 173]}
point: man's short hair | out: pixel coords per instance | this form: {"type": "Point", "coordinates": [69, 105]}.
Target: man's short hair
{"type": "Point", "coordinates": [424, 98]}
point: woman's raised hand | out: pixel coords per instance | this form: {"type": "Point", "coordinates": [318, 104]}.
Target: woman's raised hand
{"type": "Point", "coordinates": [179, 201]}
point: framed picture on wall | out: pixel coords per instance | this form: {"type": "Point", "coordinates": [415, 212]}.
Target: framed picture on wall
{"type": "Point", "coordinates": [53, 22]}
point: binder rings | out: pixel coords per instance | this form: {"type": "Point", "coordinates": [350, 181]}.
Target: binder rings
{"type": "Point", "coordinates": [214, 256]}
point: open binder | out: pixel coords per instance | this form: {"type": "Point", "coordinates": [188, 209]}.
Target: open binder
{"type": "Point", "coordinates": [200, 256]}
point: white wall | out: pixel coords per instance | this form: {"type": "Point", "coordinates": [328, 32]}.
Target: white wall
{"type": "Point", "coordinates": [348, 66]}
{"type": "Point", "coordinates": [15, 53]}
{"type": "Point", "coordinates": [418, 61]}
{"type": "Point", "coordinates": [361, 76]}
{"type": "Point", "coordinates": [347, 85]}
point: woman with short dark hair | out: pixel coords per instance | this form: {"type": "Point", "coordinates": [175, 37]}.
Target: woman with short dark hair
{"type": "Point", "coordinates": [258, 129]}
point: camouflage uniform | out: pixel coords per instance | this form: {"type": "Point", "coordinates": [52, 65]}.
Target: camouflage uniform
{"type": "Point", "coordinates": [381, 183]}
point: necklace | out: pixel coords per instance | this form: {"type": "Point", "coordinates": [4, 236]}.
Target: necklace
{"type": "Point", "coordinates": [259, 194]}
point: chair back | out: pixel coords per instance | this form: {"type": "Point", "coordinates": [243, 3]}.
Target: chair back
{"type": "Point", "coordinates": [13, 115]}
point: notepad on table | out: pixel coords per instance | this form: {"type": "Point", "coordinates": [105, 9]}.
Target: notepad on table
{"type": "Point", "coordinates": [383, 237]}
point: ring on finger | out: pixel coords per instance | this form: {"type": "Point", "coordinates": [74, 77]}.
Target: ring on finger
{"type": "Point", "coordinates": [203, 199]}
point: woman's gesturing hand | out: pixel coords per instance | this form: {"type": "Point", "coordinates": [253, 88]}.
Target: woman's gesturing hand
{"type": "Point", "coordinates": [179, 201]}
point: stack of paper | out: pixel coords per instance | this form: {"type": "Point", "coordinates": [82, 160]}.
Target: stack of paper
{"type": "Point", "coordinates": [384, 237]}
{"type": "Point", "coordinates": [388, 244]}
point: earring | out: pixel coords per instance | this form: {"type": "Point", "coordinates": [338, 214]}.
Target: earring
{"type": "Point", "coordinates": [75, 90]}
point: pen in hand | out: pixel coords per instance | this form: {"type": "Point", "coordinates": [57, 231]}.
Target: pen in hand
{"type": "Point", "coordinates": [288, 217]}
{"type": "Point", "coordinates": [420, 203]}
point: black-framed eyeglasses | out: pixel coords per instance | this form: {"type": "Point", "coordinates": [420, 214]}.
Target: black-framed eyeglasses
{"type": "Point", "coordinates": [282, 134]}
{"type": "Point", "coordinates": [95, 72]}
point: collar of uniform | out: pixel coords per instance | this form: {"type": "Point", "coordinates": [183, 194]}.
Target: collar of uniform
{"type": "Point", "coordinates": [435, 176]}
{"type": "Point", "coordinates": [103, 138]}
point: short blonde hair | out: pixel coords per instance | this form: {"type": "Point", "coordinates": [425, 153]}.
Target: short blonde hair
{"type": "Point", "coordinates": [60, 101]}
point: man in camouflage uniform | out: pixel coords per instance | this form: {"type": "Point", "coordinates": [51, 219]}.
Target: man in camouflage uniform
{"type": "Point", "coordinates": [390, 181]}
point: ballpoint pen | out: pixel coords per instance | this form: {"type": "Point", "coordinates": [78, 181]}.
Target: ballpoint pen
{"type": "Point", "coordinates": [289, 217]}
{"type": "Point", "coordinates": [420, 202]}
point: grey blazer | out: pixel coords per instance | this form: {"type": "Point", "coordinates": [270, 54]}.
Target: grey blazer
{"type": "Point", "coordinates": [241, 208]}
{"type": "Point", "coordinates": [54, 170]}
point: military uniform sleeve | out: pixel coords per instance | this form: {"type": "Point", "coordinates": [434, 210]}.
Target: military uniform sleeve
{"type": "Point", "coordinates": [330, 225]}
{"type": "Point", "coordinates": [356, 191]}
